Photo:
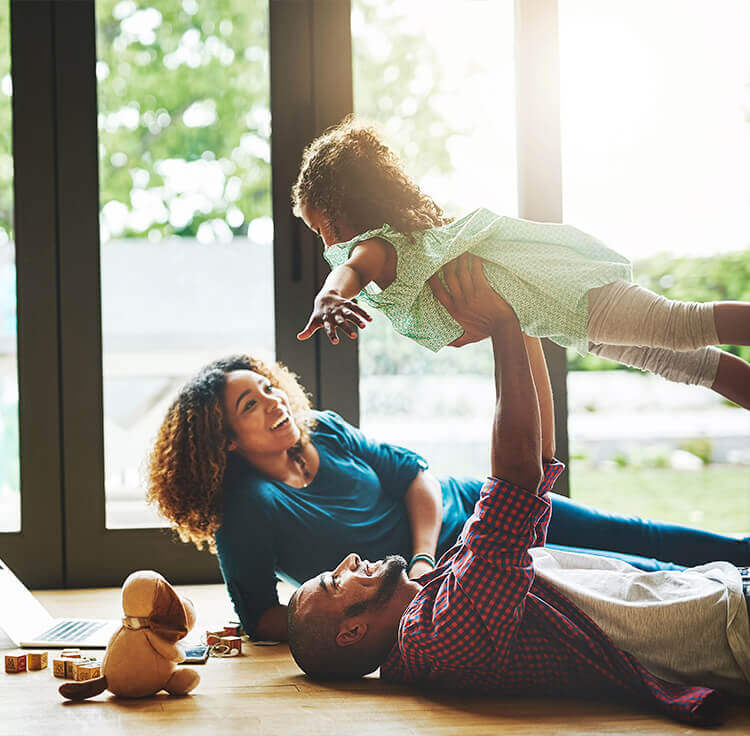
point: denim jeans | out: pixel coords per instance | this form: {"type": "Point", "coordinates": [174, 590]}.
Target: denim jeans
{"type": "Point", "coordinates": [646, 544]}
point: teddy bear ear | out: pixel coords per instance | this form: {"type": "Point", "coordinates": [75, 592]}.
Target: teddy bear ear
{"type": "Point", "coordinates": [168, 618]}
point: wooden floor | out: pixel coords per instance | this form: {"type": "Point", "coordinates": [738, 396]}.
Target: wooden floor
{"type": "Point", "coordinates": [263, 693]}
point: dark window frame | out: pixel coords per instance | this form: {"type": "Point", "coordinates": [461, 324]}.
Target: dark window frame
{"type": "Point", "coordinates": [64, 542]}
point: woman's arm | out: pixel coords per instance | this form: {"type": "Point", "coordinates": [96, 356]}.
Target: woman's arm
{"type": "Point", "coordinates": [333, 307]}
{"type": "Point", "coordinates": [544, 394]}
{"type": "Point", "coordinates": [272, 625]}
{"type": "Point", "coordinates": [424, 506]}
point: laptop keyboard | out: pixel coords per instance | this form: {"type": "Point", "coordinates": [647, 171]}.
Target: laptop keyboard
{"type": "Point", "coordinates": [71, 630]}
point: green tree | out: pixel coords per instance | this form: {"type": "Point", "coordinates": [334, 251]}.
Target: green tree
{"type": "Point", "coordinates": [397, 78]}
{"type": "Point", "coordinates": [183, 82]}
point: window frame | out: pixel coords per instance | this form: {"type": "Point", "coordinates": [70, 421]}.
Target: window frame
{"type": "Point", "coordinates": [53, 60]}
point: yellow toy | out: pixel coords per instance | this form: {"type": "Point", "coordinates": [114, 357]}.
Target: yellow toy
{"type": "Point", "coordinates": [142, 656]}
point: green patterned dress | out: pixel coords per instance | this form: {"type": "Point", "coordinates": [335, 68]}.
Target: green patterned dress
{"type": "Point", "coordinates": [543, 270]}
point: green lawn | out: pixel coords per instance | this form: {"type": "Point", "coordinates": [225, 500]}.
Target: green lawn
{"type": "Point", "coordinates": [715, 498]}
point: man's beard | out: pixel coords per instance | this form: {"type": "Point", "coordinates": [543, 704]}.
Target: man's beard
{"type": "Point", "coordinates": [394, 566]}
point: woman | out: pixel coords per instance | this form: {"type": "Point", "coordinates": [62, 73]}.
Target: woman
{"type": "Point", "coordinates": [243, 464]}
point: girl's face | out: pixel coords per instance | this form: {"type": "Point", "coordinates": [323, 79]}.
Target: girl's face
{"type": "Point", "coordinates": [318, 223]}
{"type": "Point", "coordinates": [259, 416]}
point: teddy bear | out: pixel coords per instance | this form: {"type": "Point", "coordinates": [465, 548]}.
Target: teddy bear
{"type": "Point", "coordinates": [142, 655]}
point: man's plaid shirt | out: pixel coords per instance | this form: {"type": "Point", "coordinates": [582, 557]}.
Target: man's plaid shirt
{"type": "Point", "coordinates": [483, 623]}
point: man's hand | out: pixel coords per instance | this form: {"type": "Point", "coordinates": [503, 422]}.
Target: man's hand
{"type": "Point", "coordinates": [332, 311]}
{"type": "Point", "coordinates": [470, 300]}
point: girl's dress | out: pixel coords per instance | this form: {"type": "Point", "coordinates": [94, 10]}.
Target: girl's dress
{"type": "Point", "coordinates": [543, 270]}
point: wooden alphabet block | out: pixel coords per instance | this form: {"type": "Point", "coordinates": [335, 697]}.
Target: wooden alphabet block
{"type": "Point", "coordinates": [231, 642]}
{"type": "Point", "coordinates": [72, 663]}
{"type": "Point", "coordinates": [37, 660]}
{"type": "Point", "coordinates": [64, 666]}
{"type": "Point", "coordinates": [82, 669]}
{"type": "Point", "coordinates": [58, 666]}
{"type": "Point", "coordinates": [87, 671]}
{"type": "Point", "coordinates": [15, 662]}
{"type": "Point", "coordinates": [213, 637]}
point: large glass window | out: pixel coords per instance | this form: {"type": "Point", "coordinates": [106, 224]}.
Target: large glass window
{"type": "Point", "coordinates": [656, 151]}
{"type": "Point", "coordinates": [10, 494]}
{"type": "Point", "coordinates": [186, 230]}
{"type": "Point", "coordinates": [437, 79]}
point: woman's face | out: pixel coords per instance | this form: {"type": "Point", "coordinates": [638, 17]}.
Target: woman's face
{"type": "Point", "coordinates": [258, 414]}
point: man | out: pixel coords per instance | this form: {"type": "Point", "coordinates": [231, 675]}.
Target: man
{"type": "Point", "coordinates": [502, 614]}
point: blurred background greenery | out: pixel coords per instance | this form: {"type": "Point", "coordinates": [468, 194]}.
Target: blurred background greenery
{"type": "Point", "coordinates": [162, 113]}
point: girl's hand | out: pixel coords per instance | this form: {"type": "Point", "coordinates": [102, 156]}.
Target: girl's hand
{"type": "Point", "coordinates": [332, 311]}
{"type": "Point", "coordinates": [470, 300]}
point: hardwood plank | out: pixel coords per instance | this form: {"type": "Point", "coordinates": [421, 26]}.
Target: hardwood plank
{"type": "Point", "coordinates": [263, 693]}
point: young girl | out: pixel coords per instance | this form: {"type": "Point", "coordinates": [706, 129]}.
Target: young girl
{"type": "Point", "coordinates": [384, 239]}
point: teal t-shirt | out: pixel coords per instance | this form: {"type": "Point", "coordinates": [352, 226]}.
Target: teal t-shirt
{"type": "Point", "coordinates": [543, 270]}
{"type": "Point", "coordinates": [354, 504]}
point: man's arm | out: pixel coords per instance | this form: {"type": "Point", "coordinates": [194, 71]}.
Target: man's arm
{"type": "Point", "coordinates": [540, 375]}
{"type": "Point", "coordinates": [516, 433]}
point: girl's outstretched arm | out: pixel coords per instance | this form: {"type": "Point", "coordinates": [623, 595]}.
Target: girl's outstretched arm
{"type": "Point", "coordinates": [333, 307]}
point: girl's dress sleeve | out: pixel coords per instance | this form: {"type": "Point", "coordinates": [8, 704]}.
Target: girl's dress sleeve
{"type": "Point", "coordinates": [396, 467]}
{"type": "Point", "coordinates": [338, 253]}
{"type": "Point", "coordinates": [247, 556]}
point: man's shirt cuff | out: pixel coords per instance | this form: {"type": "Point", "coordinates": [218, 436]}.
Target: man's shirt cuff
{"type": "Point", "coordinates": [552, 471]}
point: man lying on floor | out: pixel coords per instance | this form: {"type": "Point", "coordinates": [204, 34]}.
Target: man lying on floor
{"type": "Point", "coordinates": [502, 614]}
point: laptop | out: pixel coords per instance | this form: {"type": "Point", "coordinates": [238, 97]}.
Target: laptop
{"type": "Point", "coordinates": [28, 624]}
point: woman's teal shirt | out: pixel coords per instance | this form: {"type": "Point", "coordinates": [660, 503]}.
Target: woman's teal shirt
{"type": "Point", "coordinates": [354, 504]}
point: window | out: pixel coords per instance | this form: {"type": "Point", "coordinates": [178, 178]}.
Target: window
{"type": "Point", "coordinates": [437, 79]}
{"type": "Point", "coordinates": [656, 150]}
{"type": "Point", "coordinates": [186, 231]}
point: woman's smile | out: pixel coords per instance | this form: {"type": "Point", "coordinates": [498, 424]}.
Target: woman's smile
{"type": "Point", "coordinates": [281, 423]}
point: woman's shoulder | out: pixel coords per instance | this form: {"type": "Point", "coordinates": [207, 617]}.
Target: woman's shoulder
{"type": "Point", "coordinates": [329, 424]}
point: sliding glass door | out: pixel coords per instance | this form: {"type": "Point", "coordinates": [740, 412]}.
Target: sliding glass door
{"type": "Point", "coordinates": [437, 80]}
{"type": "Point", "coordinates": [184, 128]}
{"type": "Point", "coordinates": [656, 154]}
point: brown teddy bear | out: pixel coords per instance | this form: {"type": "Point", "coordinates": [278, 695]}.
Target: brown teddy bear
{"type": "Point", "coordinates": [142, 654]}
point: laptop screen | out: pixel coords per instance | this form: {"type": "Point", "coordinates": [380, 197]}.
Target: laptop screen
{"type": "Point", "coordinates": [21, 615]}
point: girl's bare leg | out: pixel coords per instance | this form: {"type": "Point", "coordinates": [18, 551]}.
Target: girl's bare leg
{"type": "Point", "coordinates": [732, 322]}
{"type": "Point", "coordinates": [733, 379]}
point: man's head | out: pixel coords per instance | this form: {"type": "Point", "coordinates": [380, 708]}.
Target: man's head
{"type": "Point", "coordinates": [344, 622]}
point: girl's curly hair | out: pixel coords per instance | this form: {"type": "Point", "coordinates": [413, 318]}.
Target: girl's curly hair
{"type": "Point", "coordinates": [351, 176]}
{"type": "Point", "coordinates": [187, 463]}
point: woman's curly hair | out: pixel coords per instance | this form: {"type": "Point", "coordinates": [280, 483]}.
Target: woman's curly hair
{"type": "Point", "coordinates": [351, 176]}
{"type": "Point", "coordinates": [187, 463]}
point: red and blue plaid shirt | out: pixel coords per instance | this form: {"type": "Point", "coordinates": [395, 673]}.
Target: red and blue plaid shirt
{"type": "Point", "coordinates": [482, 622]}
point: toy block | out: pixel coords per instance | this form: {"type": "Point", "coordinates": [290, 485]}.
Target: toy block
{"type": "Point", "coordinates": [214, 637]}
{"type": "Point", "coordinates": [72, 663]}
{"type": "Point", "coordinates": [86, 670]}
{"type": "Point", "coordinates": [231, 642]}
{"type": "Point", "coordinates": [15, 662]}
{"type": "Point", "coordinates": [37, 660]}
